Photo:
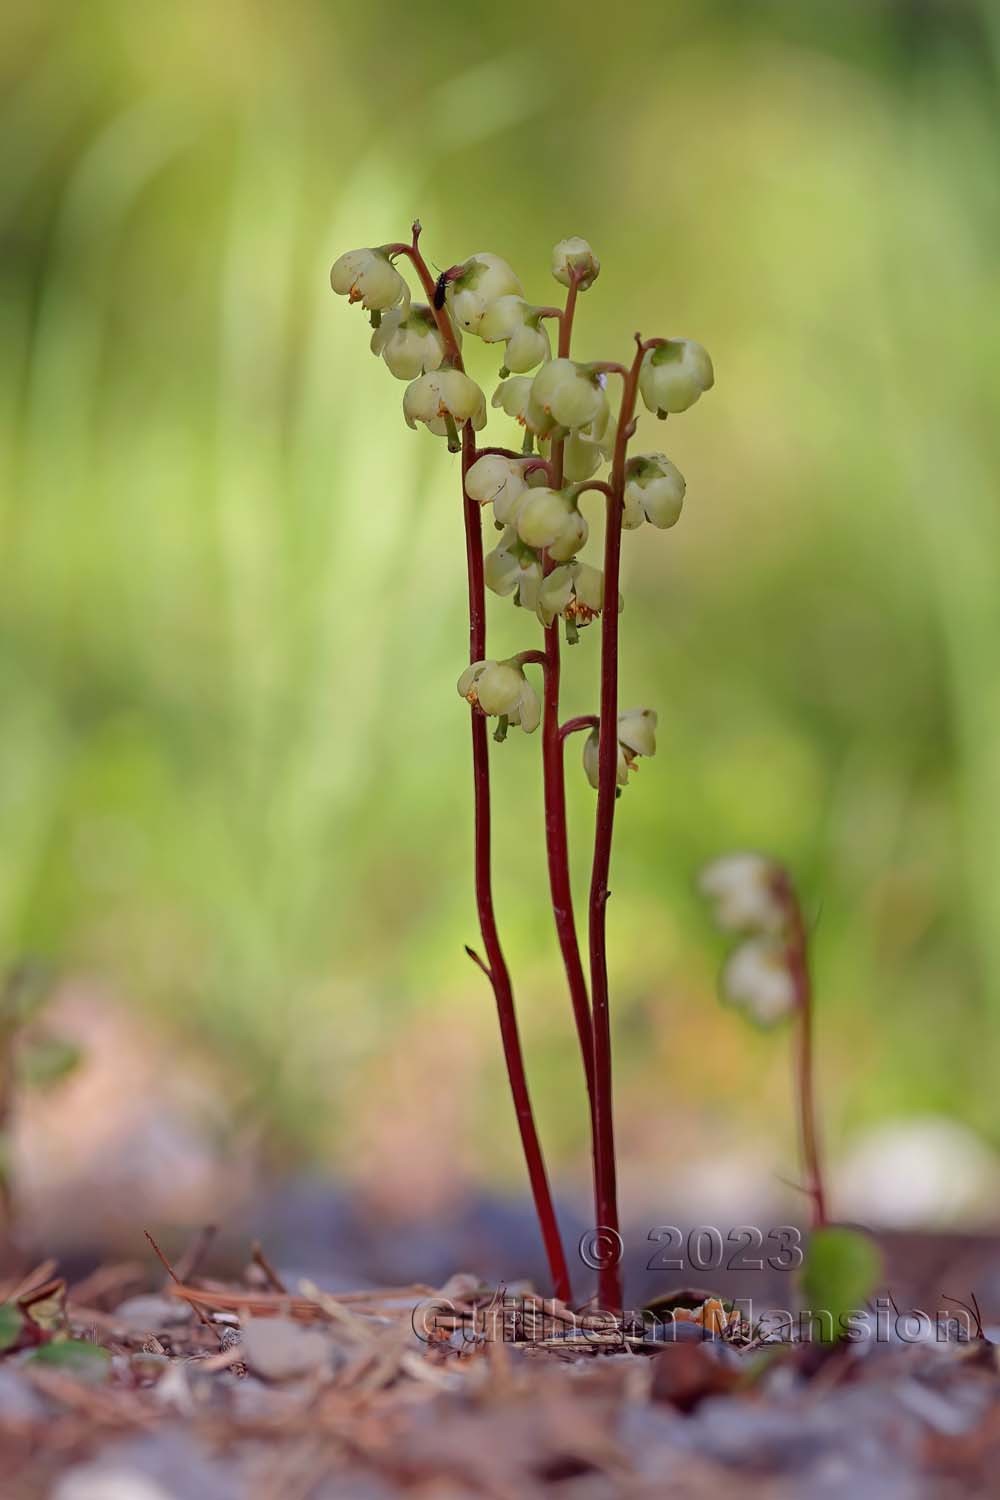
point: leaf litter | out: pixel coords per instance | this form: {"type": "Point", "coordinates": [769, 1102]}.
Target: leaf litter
{"type": "Point", "coordinates": [112, 1389]}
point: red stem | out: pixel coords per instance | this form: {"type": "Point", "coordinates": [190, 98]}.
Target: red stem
{"type": "Point", "coordinates": [496, 964]}
{"type": "Point", "coordinates": [557, 851]}
{"type": "Point", "coordinates": [798, 964]}
{"type": "Point", "coordinates": [609, 1285]}
{"type": "Point", "coordinates": [554, 783]}
{"type": "Point", "coordinates": [573, 726]}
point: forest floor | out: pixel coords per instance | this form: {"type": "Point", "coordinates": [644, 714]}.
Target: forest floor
{"type": "Point", "coordinates": [182, 1387]}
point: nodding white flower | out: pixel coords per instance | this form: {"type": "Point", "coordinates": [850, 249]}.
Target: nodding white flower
{"type": "Point", "coordinates": [369, 277]}
{"type": "Point", "coordinates": [576, 591]}
{"type": "Point", "coordinates": [409, 341]}
{"type": "Point", "coordinates": [745, 893]}
{"type": "Point", "coordinates": [550, 519]}
{"type": "Point", "coordinates": [674, 375]}
{"type": "Point", "coordinates": [570, 395]}
{"type": "Point", "coordinates": [499, 481]}
{"type": "Point", "coordinates": [500, 689]}
{"type": "Point", "coordinates": [756, 976]}
{"type": "Point", "coordinates": [480, 280]}
{"type": "Point", "coordinates": [574, 254]}
{"type": "Point", "coordinates": [588, 448]}
{"type": "Point", "coordinates": [514, 397]}
{"type": "Point", "coordinates": [519, 325]}
{"type": "Point", "coordinates": [636, 736]}
{"type": "Point", "coordinates": [654, 491]}
{"type": "Point", "coordinates": [442, 396]}
{"type": "Point", "coordinates": [514, 568]}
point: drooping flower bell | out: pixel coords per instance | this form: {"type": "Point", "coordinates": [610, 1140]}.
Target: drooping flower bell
{"type": "Point", "coordinates": [575, 591]}
{"type": "Point", "coordinates": [444, 400]}
{"type": "Point", "coordinates": [514, 397]}
{"type": "Point", "coordinates": [409, 341]}
{"type": "Point", "coordinates": [575, 255]}
{"type": "Point", "coordinates": [369, 277]}
{"type": "Point", "coordinates": [673, 375]}
{"type": "Point", "coordinates": [745, 891]}
{"type": "Point", "coordinates": [515, 322]}
{"type": "Point", "coordinates": [481, 280]}
{"type": "Point", "coordinates": [654, 491]}
{"type": "Point", "coordinates": [551, 519]}
{"type": "Point", "coordinates": [585, 450]}
{"type": "Point", "coordinates": [571, 395]}
{"type": "Point", "coordinates": [499, 481]}
{"type": "Point", "coordinates": [501, 690]}
{"type": "Point", "coordinates": [636, 736]}
{"type": "Point", "coordinates": [514, 568]}
{"type": "Point", "coordinates": [756, 976]}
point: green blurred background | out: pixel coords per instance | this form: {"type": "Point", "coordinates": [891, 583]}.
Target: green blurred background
{"type": "Point", "coordinates": [234, 789]}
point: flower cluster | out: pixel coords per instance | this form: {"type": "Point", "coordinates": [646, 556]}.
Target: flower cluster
{"type": "Point", "coordinates": [564, 409]}
{"type": "Point", "coordinates": [750, 897]}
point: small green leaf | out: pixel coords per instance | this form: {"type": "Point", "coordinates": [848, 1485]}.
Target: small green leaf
{"type": "Point", "coordinates": [842, 1269]}
{"type": "Point", "coordinates": [11, 1324]}
{"type": "Point", "coordinates": [74, 1357]}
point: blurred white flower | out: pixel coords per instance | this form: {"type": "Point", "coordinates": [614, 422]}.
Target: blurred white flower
{"type": "Point", "coordinates": [756, 977]}
{"type": "Point", "coordinates": [674, 375]}
{"type": "Point", "coordinates": [745, 894]}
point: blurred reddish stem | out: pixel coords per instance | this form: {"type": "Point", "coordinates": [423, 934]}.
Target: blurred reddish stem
{"type": "Point", "coordinates": [495, 965]}
{"type": "Point", "coordinates": [798, 964]}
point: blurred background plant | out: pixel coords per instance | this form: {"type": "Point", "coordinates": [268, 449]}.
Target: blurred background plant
{"type": "Point", "coordinates": [224, 554]}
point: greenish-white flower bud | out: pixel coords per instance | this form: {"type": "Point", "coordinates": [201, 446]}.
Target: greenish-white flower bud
{"type": "Point", "coordinates": [369, 277]}
{"type": "Point", "coordinates": [516, 323]}
{"type": "Point", "coordinates": [574, 254]}
{"type": "Point", "coordinates": [654, 491]}
{"type": "Point", "coordinates": [499, 481]}
{"type": "Point", "coordinates": [570, 395]}
{"type": "Point", "coordinates": [551, 519]}
{"type": "Point", "coordinates": [574, 590]}
{"type": "Point", "coordinates": [409, 341]}
{"type": "Point", "coordinates": [674, 375]}
{"type": "Point", "coordinates": [482, 279]}
{"type": "Point", "coordinates": [745, 891]}
{"type": "Point", "coordinates": [444, 394]}
{"type": "Point", "coordinates": [757, 978]}
{"type": "Point", "coordinates": [636, 736]}
{"type": "Point", "coordinates": [514, 568]}
{"type": "Point", "coordinates": [500, 689]}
